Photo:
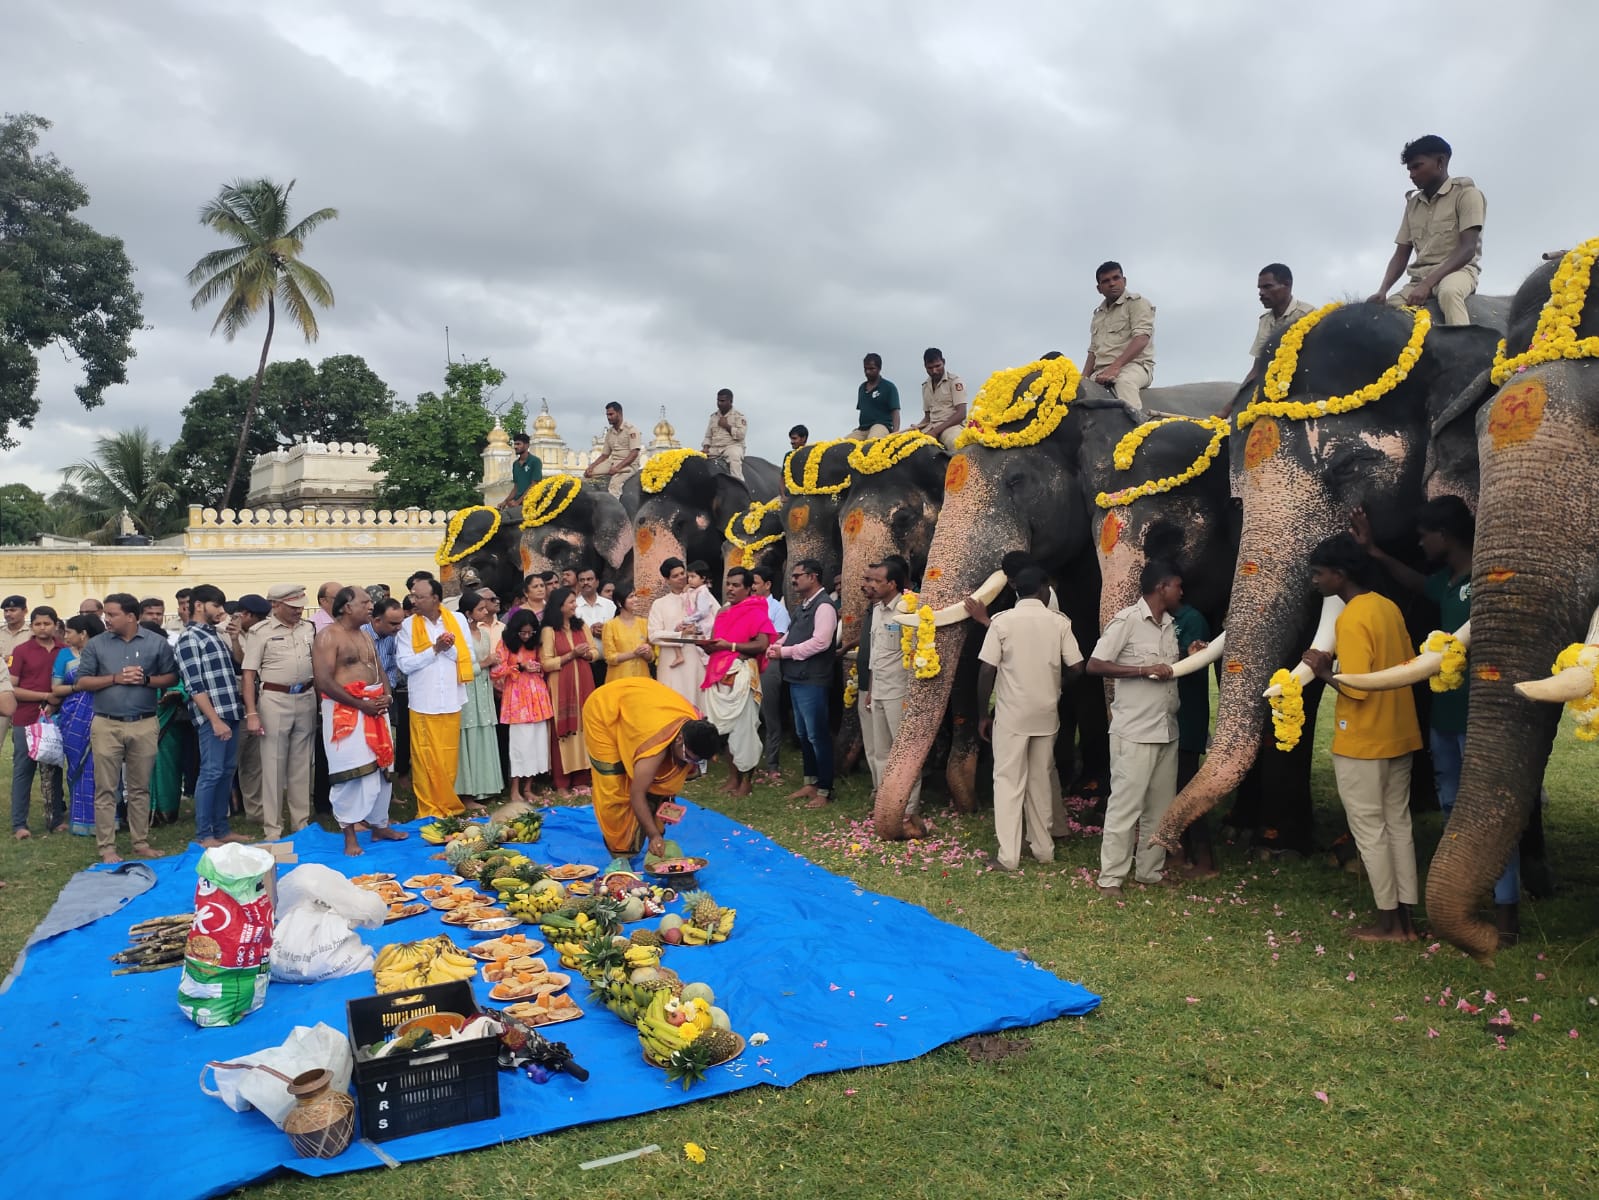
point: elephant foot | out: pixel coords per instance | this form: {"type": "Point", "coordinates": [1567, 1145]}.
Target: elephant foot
{"type": "Point", "coordinates": [911, 828]}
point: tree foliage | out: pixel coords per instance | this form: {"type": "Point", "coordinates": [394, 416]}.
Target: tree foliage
{"type": "Point", "coordinates": [431, 451]}
{"type": "Point", "coordinates": [261, 269]}
{"type": "Point", "coordinates": [24, 514]}
{"type": "Point", "coordinates": [335, 401]}
{"type": "Point", "coordinates": [130, 470]}
{"type": "Point", "coordinates": [61, 282]}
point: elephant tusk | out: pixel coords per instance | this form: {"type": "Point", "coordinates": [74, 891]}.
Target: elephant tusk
{"type": "Point", "coordinates": [1198, 662]}
{"type": "Point", "coordinates": [1424, 666]}
{"type": "Point", "coordinates": [952, 614]}
{"type": "Point", "coordinates": [1326, 640]}
{"type": "Point", "coordinates": [1571, 684]}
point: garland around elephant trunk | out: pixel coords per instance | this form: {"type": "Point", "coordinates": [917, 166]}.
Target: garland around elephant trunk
{"type": "Point", "coordinates": [917, 642]}
{"type": "Point", "coordinates": [1287, 709]}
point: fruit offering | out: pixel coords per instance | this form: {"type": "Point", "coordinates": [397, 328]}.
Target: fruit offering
{"type": "Point", "coordinates": [402, 965]}
{"type": "Point", "coordinates": [533, 900]}
{"type": "Point", "coordinates": [526, 827]}
{"type": "Point", "coordinates": [569, 871]}
{"type": "Point", "coordinates": [548, 1009]}
{"type": "Point", "coordinates": [680, 1034]}
{"type": "Point", "coordinates": [707, 922]}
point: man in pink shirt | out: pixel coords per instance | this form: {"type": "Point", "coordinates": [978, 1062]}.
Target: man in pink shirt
{"type": "Point", "coordinates": [322, 614]}
{"type": "Point", "coordinates": [808, 656]}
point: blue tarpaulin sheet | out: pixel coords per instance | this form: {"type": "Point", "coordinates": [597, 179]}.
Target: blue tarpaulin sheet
{"type": "Point", "coordinates": [101, 1080]}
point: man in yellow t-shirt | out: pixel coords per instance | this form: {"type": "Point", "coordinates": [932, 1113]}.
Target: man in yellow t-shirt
{"type": "Point", "coordinates": [1376, 733]}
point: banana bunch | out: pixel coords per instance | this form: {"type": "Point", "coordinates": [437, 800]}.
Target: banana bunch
{"type": "Point", "coordinates": [636, 956]}
{"type": "Point", "coordinates": [669, 1025]}
{"type": "Point", "coordinates": [532, 901]}
{"type": "Point", "coordinates": [568, 934]}
{"type": "Point", "coordinates": [524, 828]}
{"type": "Point", "coordinates": [400, 966]}
{"type": "Point", "coordinates": [694, 935]}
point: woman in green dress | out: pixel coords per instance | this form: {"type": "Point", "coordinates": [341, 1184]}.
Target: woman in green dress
{"type": "Point", "coordinates": [477, 773]}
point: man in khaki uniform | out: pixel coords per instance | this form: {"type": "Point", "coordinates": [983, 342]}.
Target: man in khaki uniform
{"type": "Point", "coordinates": [943, 400]}
{"type": "Point", "coordinates": [1137, 649]}
{"type": "Point", "coordinates": [280, 708]}
{"type": "Point", "coordinates": [1023, 654]}
{"type": "Point", "coordinates": [619, 451]}
{"type": "Point", "coordinates": [1275, 285]}
{"type": "Point", "coordinates": [1121, 338]}
{"type": "Point", "coordinates": [1442, 228]}
{"type": "Point", "coordinates": [882, 678]}
{"type": "Point", "coordinates": [724, 434]}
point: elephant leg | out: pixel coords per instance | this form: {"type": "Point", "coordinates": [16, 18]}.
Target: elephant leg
{"type": "Point", "coordinates": [1287, 815]}
{"type": "Point", "coordinates": [1536, 878]}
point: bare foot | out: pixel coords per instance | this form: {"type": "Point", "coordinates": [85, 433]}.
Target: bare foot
{"type": "Point", "coordinates": [61, 828]}
{"type": "Point", "coordinates": [352, 848]}
{"type": "Point", "coordinates": [111, 856]}
{"type": "Point", "coordinates": [210, 843]}
{"type": "Point", "coordinates": [238, 839]}
{"type": "Point", "coordinates": [382, 833]}
{"type": "Point", "coordinates": [475, 810]}
{"type": "Point", "coordinates": [808, 792]}
{"type": "Point", "coordinates": [1376, 933]}
{"type": "Point", "coordinates": [820, 801]}
{"type": "Point", "coordinates": [1113, 892]}
{"type": "Point", "coordinates": [1196, 871]}
{"type": "Point", "coordinates": [147, 851]}
{"type": "Point", "coordinates": [742, 789]}
{"type": "Point", "coordinates": [22, 835]}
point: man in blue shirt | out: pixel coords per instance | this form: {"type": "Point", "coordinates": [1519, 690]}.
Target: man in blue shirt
{"type": "Point", "coordinates": [215, 708]}
{"type": "Point", "coordinates": [877, 400]}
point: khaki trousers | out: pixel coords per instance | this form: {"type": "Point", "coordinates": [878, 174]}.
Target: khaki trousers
{"type": "Point", "coordinates": [733, 457]}
{"type": "Point", "coordinates": [1021, 796]}
{"type": "Point", "coordinates": [1130, 383]}
{"type": "Point", "coordinates": [1450, 295]}
{"type": "Point", "coordinates": [1376, 797]}
{"type": "Point", "coordinates": [617, 481]}
{"type": "Point", "coordinates": [947, 438]}
{"type": "Point", "coordinates": [122, 747]}
{"type": "Point", "coordinates": [287, 755]}
{"type": "Point", "coordinates": [249, 767]}
{"type": "Point", "coordinates": [1143, 783]}
{"type": "Point", "coordinates": [860, 435]}
{"type": "Point", "coordinates": [883, 720]}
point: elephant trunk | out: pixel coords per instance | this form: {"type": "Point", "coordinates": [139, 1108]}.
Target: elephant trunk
{"type": "Point", "coordinates": [653, 543]}
{"type": "Point", "coordinates": [866, 540]}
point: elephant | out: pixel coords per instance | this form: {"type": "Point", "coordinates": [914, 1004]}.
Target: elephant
{"type": "Point", "coordinates": [815, 478]}
{"type": "Point", "coordinates": [586, 528]}
{"type": "Point", "coordinates": [1035, 491]}
{"type": "Point", "coordinates": [686, 516]}
{"type": "Point", "coordinates": [1299, 476]}
{"type": "Point", "coordinates": [757, 540]}
{"type": "Point", "coordinates": [1534, 588]}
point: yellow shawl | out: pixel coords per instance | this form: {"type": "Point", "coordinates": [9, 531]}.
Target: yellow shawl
{"type": "Point", "coordinates": [463, 645]}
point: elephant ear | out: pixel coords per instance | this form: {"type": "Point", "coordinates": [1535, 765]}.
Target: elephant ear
{"type": "Point", "coordinates": [1463, 358]}
{"type": "Point", "coordinates": [612, 530]}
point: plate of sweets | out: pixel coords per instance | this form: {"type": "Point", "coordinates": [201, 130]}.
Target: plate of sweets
{"type": "Point", "coordinates": [398, 911]}
{"type": "Point", "coordinates": [471, 916]}
{"type": "Point", "coordinates": [372, 879]}
{"type": "Point", "coordinates": [434, 880]}
{"type": "Point", "coordinates": [569, 871]}
{"type": "Point", "coordinates": [507, 945]}
{"type": "Point", "coordinates": [524, 985]}
{"type": "Point", "coordinates": [550, 1009]}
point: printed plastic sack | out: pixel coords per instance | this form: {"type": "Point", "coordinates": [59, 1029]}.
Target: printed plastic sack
{"type": "Point", "coordinates": [314, 938]}
{"type": "Point", "coordinates": [44, 744]}
{"type": "Point", "coordinates": [227, 962]}
{"type": "Point", "coordinates": [318, 1047]}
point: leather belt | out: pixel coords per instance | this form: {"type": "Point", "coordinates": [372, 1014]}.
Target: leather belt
{"type": "Point", "coordinates": [292, 689]}
{"type": "Point", "coordinates": [150, 716]}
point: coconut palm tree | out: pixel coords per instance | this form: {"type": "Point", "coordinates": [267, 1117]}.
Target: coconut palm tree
{"type": "Point", "coordinates": [130, 471]}
{"type": "Point", "coordinates": [262, 268]}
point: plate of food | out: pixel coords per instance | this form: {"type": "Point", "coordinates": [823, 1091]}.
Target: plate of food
{"type": "Point", "coordinates": [544, 1010]}
{"type": "Point", "coordinates": [392, 893]}
{"type": "Point", "coordinates": [578, 888]}
{"type": "Point", "coordinates": [372, 879]}
{"type": "Point", "coordinates": [509, 945]}
{"type": "Point", "coordinates": [471, 916]}
{"type": "Point", "coordinates": [435, 880]}
{"type": "Point", "coordinates": [570, 871]}
{"type": "Point", "coordinates": [399, 911]}
{"type": "Point", "coordinates": [679, 872]}
{"type": "Point", "coordinates": [458, 900]}
{"type": "Point", "coordinates": [493, 925]}
{"type": "Point", "coordinates": [536, 984]}
{"type": "Point", "coordinates": [508, 968]}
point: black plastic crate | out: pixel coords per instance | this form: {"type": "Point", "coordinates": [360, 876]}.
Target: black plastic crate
{"type": "Point", "coordinates": [427, 1088]}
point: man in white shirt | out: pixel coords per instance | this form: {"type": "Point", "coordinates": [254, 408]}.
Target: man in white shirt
{"type": "Point", "coordinates": [425, 650]}
{"type": "Point", "coordinates": [771, 673]}
{"type": "Point", "coordinates": [593, 610]}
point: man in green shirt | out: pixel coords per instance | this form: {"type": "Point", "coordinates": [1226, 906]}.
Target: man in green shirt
{"type": "Point", "coordinates": [1193, 734]}
{"type": "Point", "coordinates": [877, 401]}
{"type": "Point", "coordinates": [526, 469]}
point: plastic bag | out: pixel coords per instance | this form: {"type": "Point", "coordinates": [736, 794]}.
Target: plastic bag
{"type": "Point", "coordinates": [314, 938]}
{"type": "Point", "coordinates": [44, 744]}
{"type": "Point", "coordinates": [306, 1049]}
{"type": "Point", "coordinates": [227, 961]}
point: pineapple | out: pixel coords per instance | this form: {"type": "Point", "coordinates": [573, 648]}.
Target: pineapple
{"type": "Point", "coordinates": [688, 1065]}
{"type": "Point", "coordinates": [600, 957]}
{"type": "Point", "coordinates": [459, 852]}
{"type": "Point", "coordinates": [645, 937]}
{"type": "Point", "coordinates": [702, 908]}
{"type": "Point", "coordinates": [607, 912]}
{"type": "Point", "coordinates": [529, 872]}
{"type": "Point", "coordinates": [720, 1044]}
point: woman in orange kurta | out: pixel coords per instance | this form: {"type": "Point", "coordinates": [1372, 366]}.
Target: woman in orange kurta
{"type": "Point", "coordinates": [644, 743]}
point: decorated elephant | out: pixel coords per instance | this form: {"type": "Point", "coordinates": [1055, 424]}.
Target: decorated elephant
{"type": "Point", "coordinates": [564, 524]}
{"type": "Point", "coordinates": [1350, 398]}
{"type": "Point", "coordinates": [1038, 451]}
{"type": "Point", "coordinates": [681, 503]}
{"type": "Point", "coordinates": [815, 478]}
{"type": "Point", "coordinates": [753, 538]}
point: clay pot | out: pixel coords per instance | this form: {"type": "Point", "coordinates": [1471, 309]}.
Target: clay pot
{"type": "Point", "coordinates": [322, 1121]}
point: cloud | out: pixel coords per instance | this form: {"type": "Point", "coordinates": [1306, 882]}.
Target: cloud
{"type": "Point", "coordinates": [645, 203]}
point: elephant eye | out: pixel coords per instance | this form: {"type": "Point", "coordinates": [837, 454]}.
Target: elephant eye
{"type": "Point", "coordinates": [901, 519]}
{"type": "Point", "coordinates": [555, 547]}
{"type": "Point", "coordinates": [1015, 481]}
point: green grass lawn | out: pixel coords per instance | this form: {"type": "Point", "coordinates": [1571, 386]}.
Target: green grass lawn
{"type": "Point", "coordinates": [1246, 1046]}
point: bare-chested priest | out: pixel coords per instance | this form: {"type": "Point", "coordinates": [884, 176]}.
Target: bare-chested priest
{"type": "Point", "coordinates": [355, 724]}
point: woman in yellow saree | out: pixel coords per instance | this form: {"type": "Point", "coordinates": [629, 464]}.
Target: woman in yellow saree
{"type": "Point", "coordinates": [644, 742]}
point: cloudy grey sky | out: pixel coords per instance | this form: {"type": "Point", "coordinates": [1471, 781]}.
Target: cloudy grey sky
{"type": "Point", "coordinates": [646, 202]}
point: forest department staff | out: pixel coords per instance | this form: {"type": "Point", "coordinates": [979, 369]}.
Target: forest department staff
{"type": "Point", "coordinates": [725, 434]}
{"type": "Point", "coordinates": [1121, 338]}
{"type": "Point", "coordinates": [619, 451]}
{"type": "Point", "coordinates": [280, 709]}
{"type": "Point", "coordinates": [943, 400]}
{"type": "Point", "coordinates": [1440, 235]}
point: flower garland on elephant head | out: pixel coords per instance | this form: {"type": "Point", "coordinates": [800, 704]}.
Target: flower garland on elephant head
{"type": "Point", "coordinates": [750, 519]}
{"type": "Point", "coordinates": [1556, 337]}
{"type": "Point", "coordinates": [879, 454]}
{"type": "Point", "coordinates": [810, 484]}
{"type": "Point", "coordinates": [916, 642]}
{"type": "Point", "coordinates": [1452, 672]}
{"type": "Point", "coordinates": [658, 472]}
{"type": "Point", "coordinates": [447, 553]}
{"type": "Point", "coordinates": [1585, 709]}
{"type": "Point", "coordinates": [548, 499]}
{"type": "Point", "coordinates": [1287, 709]}
{"type": "Point", "coordinates": [1122, 457]}
{"type": "Point", "coordinates": [1271, 399]}
{"type": "Point", "coordinates": [1042, 406]}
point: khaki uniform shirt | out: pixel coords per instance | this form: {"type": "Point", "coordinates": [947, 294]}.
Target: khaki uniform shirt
{"type": "Point", "coordinates": [890, 679]}
{"type": "Point", "coordinates": [618, 443]}
{"type": "Point", "coordinates": [939, 403]}
{"type": "Point", "coordinates": [1270, 323]}
{"type": "Point", "coordinates": [1026, 646]}
{"type": "Point", "coordinates": [10, 641]}
{"type": "Point", "coordinates": [1114, 325]}
{"type": "Point", "coordinates": [1432, 224]}
{"type": "Point", "coordinates": [279, 653]}
{"type": "Point", "coordinates": [1142, 710]}
{"type": "Point", "coordinates": [718, 439]}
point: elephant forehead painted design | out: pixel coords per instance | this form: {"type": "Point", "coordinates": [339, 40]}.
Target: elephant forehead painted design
{"type": "Point", "coordinates": [1517, 412]}
{"type": "Point", "coordinates": [852, 524]}
{"type": "Point", "coordinates": [644, 538]}
{"type": "Point", "coordinates": [1262, 443]}
{"type": "Point", "coordinates": [1110, 533]}
{"type": "Point", "coordinates": [799, 517]}
{"type": "Point", "coordinates": [955, 474]}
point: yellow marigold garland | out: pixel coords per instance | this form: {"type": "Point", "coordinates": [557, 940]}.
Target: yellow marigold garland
{"type": "Point", "coordinates": [1453, 671]}
{"type": "Point", "coordinates": [1556, 334]}
{"type": "Point", "coordinates": [852, 686]}
{"type": "Point", "coordinates": [659, 470]}
{"type": "Point", "coordinates": [879, 454]}
{"type": "Point", "coordinates": [1128, 446]}
{"type": "Point", "coordinates": [447, 553]}
{"type": "Point", "coordinates": [1043, 405]}
{"type": "Point", "coordinates": [1585, 710]}
{"type": "Point", "coordinates": [750, 521]}
{"type": "Point", "coordinates": [1271, 399]}
{"type": "Point", "coordinates": [1287, 709]}
{"type": "Point", "coordinates": [810, 485]}
{"type": "Point", "coordinates": [917, 642]}
{"type": "Point", "coordinates": [548, 499]}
